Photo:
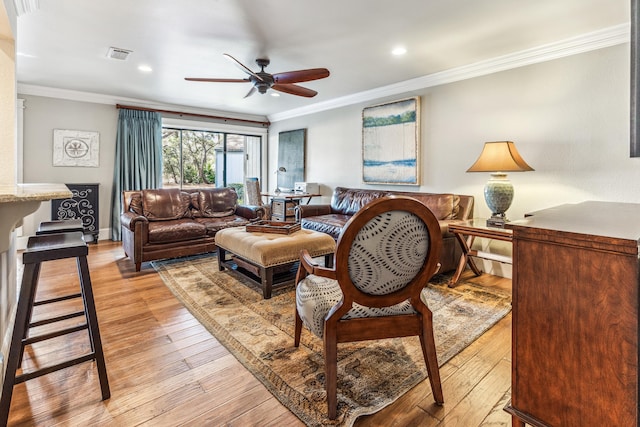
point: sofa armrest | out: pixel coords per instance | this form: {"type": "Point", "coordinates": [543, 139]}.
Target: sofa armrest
{"type": "Point", "coordinates": [304, 211]}
{"type": "Point", "coordinates": [129, 220]}
{"type": "Point", "coordinates": [466, 207]}
{"type": "Point", "coordinates": [251, 212]}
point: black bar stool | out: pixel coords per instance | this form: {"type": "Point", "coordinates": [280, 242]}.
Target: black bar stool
{"type": "Point", "coordinates": [51, 227]}
{"type": "Point", "coordinates": [60, 226]}
{"type": "Point", "coordinates": [40, 248]}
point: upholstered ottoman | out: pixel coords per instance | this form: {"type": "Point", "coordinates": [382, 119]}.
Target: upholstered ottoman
{"type": "Point", "coordinates": [264, 254]}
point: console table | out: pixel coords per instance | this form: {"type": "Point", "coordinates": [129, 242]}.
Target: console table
{"type": "Point", "coordinates": [466, 232]}
{"type": "Point", "coordinates": [575, 316]}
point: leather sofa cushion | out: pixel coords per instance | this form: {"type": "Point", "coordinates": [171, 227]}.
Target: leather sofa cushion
{"type": "Point", "coordinates": [330, 224]}
{"type": "Point", "coordinates": [135, 203]}
{"type": "Point", "coordinates": [442, 205]}
{"type": "Point", "coordinates": [217, 202]}
{"type": "Point", "coordinates": [165, 204]}
{"type": "Point", "coordinates": [175, 231]}
{"type": "Point", "coordinates": [213, 225]}
{"type": "Point", "coordinates": [348, 201]}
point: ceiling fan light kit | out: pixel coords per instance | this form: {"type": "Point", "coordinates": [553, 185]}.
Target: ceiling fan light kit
{"type": "Point", "coordinates": [263, 81]}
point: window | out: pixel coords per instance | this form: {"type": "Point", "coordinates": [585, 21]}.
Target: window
{"type": "Point", "coordinates": [201, 158]}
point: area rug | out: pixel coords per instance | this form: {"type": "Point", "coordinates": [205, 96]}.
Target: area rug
{"type": "Point", "coordinates": [371, 374]}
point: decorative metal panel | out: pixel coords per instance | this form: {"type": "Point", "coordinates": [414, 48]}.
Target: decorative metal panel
{"type": "Point", "coordinates": [83, 204]}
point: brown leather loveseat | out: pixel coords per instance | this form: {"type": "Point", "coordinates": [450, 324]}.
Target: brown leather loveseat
{"type": "Point", "coordinates": [169, 222]}
{"type": "Point", "coordinates": [345, 202]}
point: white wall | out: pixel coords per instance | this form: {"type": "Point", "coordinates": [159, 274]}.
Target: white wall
{"type": "Point", "coordinates": [569, 119]}
{"type": "Point", "coordinates": [41, 116]}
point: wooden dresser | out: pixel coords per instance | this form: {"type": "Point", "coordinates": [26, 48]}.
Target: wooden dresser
{"type": "Point", "coordinates": [575, 316]}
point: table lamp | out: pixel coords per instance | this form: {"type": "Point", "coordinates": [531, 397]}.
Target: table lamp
{"type": "Point", "coordinates": [280, 170]}
{"type": "Point", "coordinates": [499, 157]}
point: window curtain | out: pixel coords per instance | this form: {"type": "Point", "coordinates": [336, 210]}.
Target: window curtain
{"type": "Point", "coordinates": [138, 163]}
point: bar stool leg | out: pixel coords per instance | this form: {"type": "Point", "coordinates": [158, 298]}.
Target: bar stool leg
{"type": "Point", "coordinates": [29, 278]}
{"type": "Point", "coordinates": [92, 320]}
{"type": "Point", "coordinates": [32, 298]}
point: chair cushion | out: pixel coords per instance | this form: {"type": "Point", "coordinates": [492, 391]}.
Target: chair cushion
{"type": "Point", "coordinates": [316, 295]}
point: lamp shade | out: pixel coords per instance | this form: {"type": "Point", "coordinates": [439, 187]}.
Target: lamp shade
{"type": "Point", "coordinates": [500, 156]}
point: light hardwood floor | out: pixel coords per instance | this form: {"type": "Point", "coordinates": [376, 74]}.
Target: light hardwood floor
{"type": "Point", "coordinates": [165, 369]}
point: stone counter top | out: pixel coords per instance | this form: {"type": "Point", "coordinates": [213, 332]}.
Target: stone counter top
{"type": "Point", "coordinates": [20, 200]}
{"type": "Point", "coordinates": [33, 192]}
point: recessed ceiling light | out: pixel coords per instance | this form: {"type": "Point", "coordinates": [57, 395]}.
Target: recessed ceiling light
{"type": "Point", "coordinates": [145, 68]}
{"type": "Point", "coordinates": [275, 94]}
{"type": "Point", "coordinates": [399, 50]}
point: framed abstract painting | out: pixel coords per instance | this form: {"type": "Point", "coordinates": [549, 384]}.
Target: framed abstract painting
{"type": "Point", "coordinates": [391, 143]}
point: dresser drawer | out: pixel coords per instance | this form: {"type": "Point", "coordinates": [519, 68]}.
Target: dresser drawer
{"type": "Point", "coordinates": [282, 208]}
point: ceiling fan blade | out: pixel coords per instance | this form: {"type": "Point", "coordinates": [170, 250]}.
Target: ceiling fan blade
{"type": "Point", "coordinates": [251, 92]}
{"type": "Point", "coordinates": [242, 66]}
{"type": "Point", "coordinates": [295, 90]}
{"type": "Point", "coordinates": [198, 79]}
{"type": "Point", "coordinates": [301, 75]}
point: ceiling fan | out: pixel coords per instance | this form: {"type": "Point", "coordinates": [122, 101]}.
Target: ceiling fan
{"type": "Point", "coordinates": [262, 81]}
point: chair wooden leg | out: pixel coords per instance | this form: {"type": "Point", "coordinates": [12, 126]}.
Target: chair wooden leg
{"type": "Point", "coordinates": [331, 371]}
{"type": "Point", "coordinates": [298, 330]}
{"type": "Point", "coordinates": [428, 343]}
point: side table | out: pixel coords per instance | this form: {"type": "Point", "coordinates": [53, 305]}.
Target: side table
{"type": "Point", "coordinates": [466, 232]}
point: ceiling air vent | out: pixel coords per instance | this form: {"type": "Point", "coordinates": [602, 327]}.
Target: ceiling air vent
{"type": "Point", "coordinates": [118, 53]}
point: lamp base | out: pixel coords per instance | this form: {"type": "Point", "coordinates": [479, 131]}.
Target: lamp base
{"type": "Point", "coordinates": [498, 193]}
{"type": "Point", "coordinates": [497, 222]}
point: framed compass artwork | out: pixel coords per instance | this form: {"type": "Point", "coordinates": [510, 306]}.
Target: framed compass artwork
{"type": "Point", "coordinates": [76, 148]}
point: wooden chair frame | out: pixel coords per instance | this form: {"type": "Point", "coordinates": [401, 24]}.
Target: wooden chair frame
{"type": "Point", "coordinates": [338, 330]}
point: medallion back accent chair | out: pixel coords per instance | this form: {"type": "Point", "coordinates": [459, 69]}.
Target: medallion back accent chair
{"type": "Point", "coordinates": [253, 193]}
{"type": "Point", "coordinates": [385, 256]}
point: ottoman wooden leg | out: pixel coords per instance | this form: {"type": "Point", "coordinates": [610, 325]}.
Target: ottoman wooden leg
{"type": "Point", "coordinates": [266, 275]}
{"type": "Point", "coordinates": [221, 256]}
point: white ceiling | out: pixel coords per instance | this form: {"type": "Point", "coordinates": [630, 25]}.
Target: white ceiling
{"type": "Point", "coordinates": [63, 44]}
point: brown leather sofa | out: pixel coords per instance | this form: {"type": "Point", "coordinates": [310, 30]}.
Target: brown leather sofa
{"type": "Point", "coordinates": [169, 223]}
{"type": "Point", "coordinates": [345, 202]}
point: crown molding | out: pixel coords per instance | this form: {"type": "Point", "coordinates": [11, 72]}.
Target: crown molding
{"type": "Point", "coordinates": [23, 7]}
{"type": "Point", "coordinates": [97, 98]}
{"type": "Point", "coordinates": [606, 37]}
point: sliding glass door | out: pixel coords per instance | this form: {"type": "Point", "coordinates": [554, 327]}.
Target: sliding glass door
{"type": "Point", "coordinates": [198, 158]}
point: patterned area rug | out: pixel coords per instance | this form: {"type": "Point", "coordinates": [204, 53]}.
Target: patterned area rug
{"type": "Point", "coordinates": [371, 375]}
